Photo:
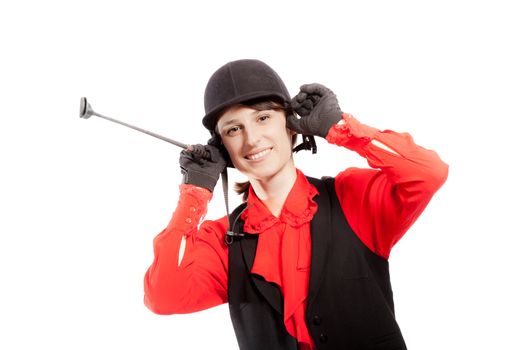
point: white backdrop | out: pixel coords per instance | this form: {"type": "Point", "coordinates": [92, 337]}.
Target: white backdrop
{"type": "Point", "coordinates": [82, 200]}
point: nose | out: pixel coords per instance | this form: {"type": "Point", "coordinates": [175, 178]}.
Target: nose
{"type": "Point", "coordinates": [252, 135]}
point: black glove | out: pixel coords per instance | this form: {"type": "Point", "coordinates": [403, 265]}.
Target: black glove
{"type": "Point", "coordinates": [198, 171]}
{"type": "Point", "coordinates": [319, 110]}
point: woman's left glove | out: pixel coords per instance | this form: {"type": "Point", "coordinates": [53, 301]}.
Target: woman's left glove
{"type": "Point", "coordinates": [319, 110]}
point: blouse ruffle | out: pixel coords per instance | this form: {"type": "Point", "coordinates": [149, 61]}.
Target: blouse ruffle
{"type": "Point", "coordinates": [283, 250]}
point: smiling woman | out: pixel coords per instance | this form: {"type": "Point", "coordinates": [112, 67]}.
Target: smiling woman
{"type": "Point", "coordinates": [308, 264]}
{"type": "Point", "coordinates": [259, 145]}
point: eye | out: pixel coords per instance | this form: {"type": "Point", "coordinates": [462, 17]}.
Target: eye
{"type": "Point", "coordinates": [263, 117]}
{"type": "Point", "coordinates": [233, 131]}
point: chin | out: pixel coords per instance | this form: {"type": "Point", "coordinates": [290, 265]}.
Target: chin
{"type": "Point", "coordinates": [262, 171]}
{"type": "Point", "coordinates": [257, 173]}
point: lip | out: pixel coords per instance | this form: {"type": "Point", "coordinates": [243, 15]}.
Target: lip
{"type": "Point", "coordinates": [258, 151]}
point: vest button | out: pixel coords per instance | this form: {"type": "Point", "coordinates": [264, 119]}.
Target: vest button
{"type": "Point", "coordinates": [317, 320]}
{"type": "Point", "coordinates": [323, 338]}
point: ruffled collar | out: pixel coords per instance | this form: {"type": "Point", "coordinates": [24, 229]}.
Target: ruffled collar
{"type": "Point", "coordinates": [297, 208]}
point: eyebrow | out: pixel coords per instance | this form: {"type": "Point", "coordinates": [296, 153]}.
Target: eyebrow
{"type": "Point", "coordinates": [229, 122]}
{"type": "Point", "coordinates": [236, 121]}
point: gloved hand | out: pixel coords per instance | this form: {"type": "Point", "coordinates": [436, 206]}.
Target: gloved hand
{"type": "Point", "coordinates": [319, 110]}
{"type": "Point", "coordinates": [199, 171]}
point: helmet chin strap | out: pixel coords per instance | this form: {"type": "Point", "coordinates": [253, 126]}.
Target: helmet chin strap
{"type": "Point", "coordinates": [308, 144]}
{"type": "Point", "coordinates": [230, 234]}
{"type": "Point", "coordinates": [308, 140]}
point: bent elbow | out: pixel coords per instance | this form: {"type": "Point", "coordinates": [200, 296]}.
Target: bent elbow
{"type": "Point", "coordinates": [153, 306]}
{"type": "Point", "coordinates": [424, 185]}
{"type": "Point", "coordinates": [159, 299]}
{"type": "Point", "coordinates": [157, 306]}
{"type": "Point", "coordinates": [164, 298]}
{"type": "Point", "coordinates": [163, 305]}
{"type": "Point", "coordinates": [439, 176]}
{"type": "Point", "coordinates": [152, 299]}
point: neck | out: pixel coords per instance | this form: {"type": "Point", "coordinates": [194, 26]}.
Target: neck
{"type": "Point", "coordinates": [274, 190]}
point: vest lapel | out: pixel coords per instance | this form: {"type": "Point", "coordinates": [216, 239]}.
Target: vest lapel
{"type": "Point", "coordinates": [320, 231]}
{"type": "Point", "coordinates": [270, 291]}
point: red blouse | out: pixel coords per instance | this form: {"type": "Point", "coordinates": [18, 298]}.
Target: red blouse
{"type": "Point", "coordinates": [380, 206]}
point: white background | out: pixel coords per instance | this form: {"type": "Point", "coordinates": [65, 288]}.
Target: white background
{"type": "Point", "coordinates": [82, 200]}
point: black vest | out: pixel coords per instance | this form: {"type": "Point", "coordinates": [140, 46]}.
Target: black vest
{"type": "Point", "coordinates": [350, 303]}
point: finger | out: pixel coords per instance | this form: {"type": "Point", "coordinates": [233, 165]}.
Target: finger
{"type": "Point", "coordinates": [300, 97]}
{"type": "Point", "coordinates": [186, 154]}
{"type": "Point", "coordinates": [304, 108]}
{"type": "Point", "coordinates": [314, 99]}
{"type": "Point", "coordinates": [315, 88]}
{"type": "Point", "coordinates": [295, 103]}
{"type": "Point", "coordinates": [215, 154]}
{"type": "Point", "coordinates": [308, 104]}
{"type": "Point", "coordinates": [187, 158]}
{"type": "Point", "coordinates": [304, 104]}
{"type": "Point", "coordinates": [197, 150]}
{"type": "Point", "coordinates": [303, 112]}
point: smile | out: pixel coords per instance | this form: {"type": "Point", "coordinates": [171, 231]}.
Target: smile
{"type": "Point", "coordinates": [258, 155]}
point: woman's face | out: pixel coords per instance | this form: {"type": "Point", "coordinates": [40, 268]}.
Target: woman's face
{"type": "Point", "coordinates": [259, 144]}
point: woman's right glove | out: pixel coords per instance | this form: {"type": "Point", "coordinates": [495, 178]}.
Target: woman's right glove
{"type": "Point", "coordinates": [198, 171]}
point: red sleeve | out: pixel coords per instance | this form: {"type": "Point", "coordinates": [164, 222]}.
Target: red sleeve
{"type": "Point", "coordinates": [381, 204]}
{"type": "Point", "coordinates": [200, 282]}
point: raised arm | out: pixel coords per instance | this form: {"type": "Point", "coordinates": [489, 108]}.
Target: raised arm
{"type": "Point", "coordinates": [190, 268]}
{"type": "Point", "coordinates": [381, 204]}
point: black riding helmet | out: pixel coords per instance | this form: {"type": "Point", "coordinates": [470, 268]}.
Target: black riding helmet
{"type": "Point", "coordinates": [241, 81]}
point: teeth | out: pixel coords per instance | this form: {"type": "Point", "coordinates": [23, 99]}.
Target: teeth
{"type": "Point", "coordinates": [259, 155]}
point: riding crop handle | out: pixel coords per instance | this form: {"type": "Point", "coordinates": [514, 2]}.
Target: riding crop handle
{"type": "Point", "coordinates": [86, 111]}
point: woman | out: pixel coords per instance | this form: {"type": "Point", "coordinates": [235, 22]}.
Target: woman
{"type": "Point", "coordinates": [303, 263]}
